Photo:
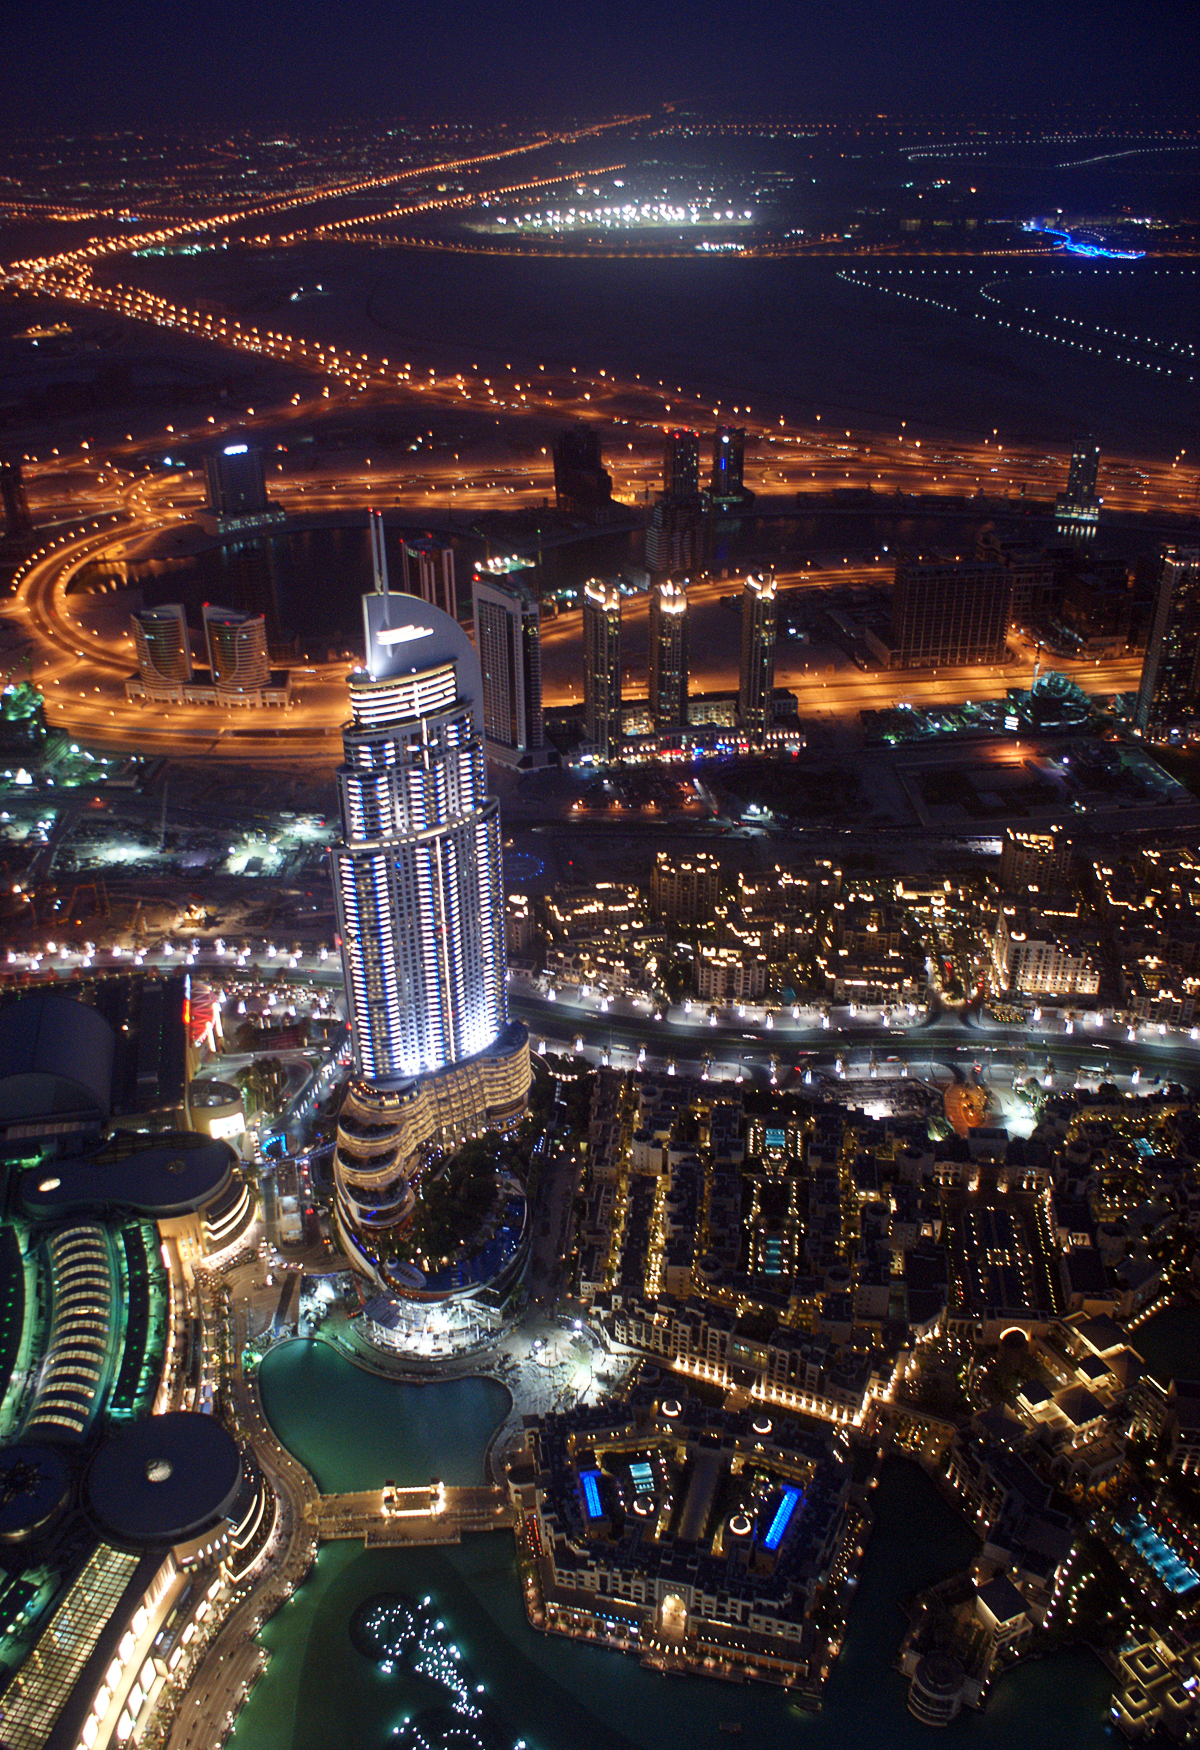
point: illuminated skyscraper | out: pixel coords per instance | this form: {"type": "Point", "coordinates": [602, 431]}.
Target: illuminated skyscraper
{"type": "Point", "coordinates": [237, 650]}
{"type": "Point", "coordinates": [669, 654]}
{"type": "Point", "coordinates": [509, 647]}
{"type": "Point", "coordinates": [1077, 512]}
{"type": "Point", "coordinates": [1084, 469]}
{"type": "Point", "coordinates": [729, 461]}
{"type": "Point", "coordinates": [681, 467]}
{"type": "Point", "coordinates": [420, 910]}
{"type": "Point", "coordinates": [164, 651]}
{"type": "Point", "coordinates": [756, 686]}
{"type": "Point", "coordinates": [602, 667]}
{"type": "Point", "coordinates": [234, 477]}
{"type": "Point", "coordinates": [1169, 694]}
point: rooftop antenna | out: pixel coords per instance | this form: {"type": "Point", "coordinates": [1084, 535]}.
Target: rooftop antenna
{"type": "Point", "coordinates": [378, 551]}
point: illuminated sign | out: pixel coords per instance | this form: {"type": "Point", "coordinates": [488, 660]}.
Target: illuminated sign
{"type": "Point", "coordinates": [236, 449]}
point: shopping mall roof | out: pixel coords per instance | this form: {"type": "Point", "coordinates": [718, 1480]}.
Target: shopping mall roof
{"type": "Point", "coordinates": [164, 1479]}
{"type": "Point", "coordinates": [173, 1173]}
{"type": "Point", "coordinates": [56, 1059]}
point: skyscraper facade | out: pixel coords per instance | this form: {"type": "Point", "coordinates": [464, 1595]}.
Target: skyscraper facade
{"type": "Point", "coordinates": [681, 466]}
{"type": "Point", "coordinates": [420, 911]}
{"type": "Point", "coordinates": [17, 520]}
{"type": "Point", "coordinates": [582, 485]}
{"type": "Point", "coordinates": [1169, 694]}
{"type": "Point", "coordinates": [729, 462]}
{"type": "Point", "coordinates": [508, 645]}
{"type": "Point", "coordinates": [948, 615]}
{"type": "Point", "coordinates": [1084, 470]}
{"type": "Point", "coordinates": [164, 653]}
{"type": "Point", "coordinates": [669, 654]}
{"type": "Point", "coordinates": [1077, 512]}
{"type": "Point", "coordinates": [756, 684]}
{"type": "Point", "coordinates": [602, 667]}
{"type": "Point", "coordinates": [237, 650]}
{"type": "Point", "coordinates": [675, 536]}
{"type": "Point", "coordinates": [234, 478]}
{"type": "Point", "coordinates": [429, 572]}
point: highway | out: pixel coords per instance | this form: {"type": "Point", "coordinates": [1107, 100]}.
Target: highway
{"type": "Point", "coordinates": [81, 660]}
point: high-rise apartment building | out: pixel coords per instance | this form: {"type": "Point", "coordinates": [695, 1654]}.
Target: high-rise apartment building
{"type": "Point", "coordinates": [17, 520]}
{"type": "Point", "coordinates": [429, 572]}
{"type": "Point", "coordinates": [1040, 860]}
{"type": "Point", "coordinates": [685, 890]}
{"type": "Point", "coordinates": [1077, 511]}
{"type": "Point", "coordinates": [234, 478]}
{"type": "Point", "coordinates": [1169, 694]}
{"type": "Point", "coordinates": [756, 684]}
{"type": "Point", "coordinates": [949, 615]}
{"type": "Point", "coordinates": [237, 650]}
{"type": "Point", "coordinates": [582, 486]}
{"type": "Point", "coordinates": [602, 667]}
{"type": "Point", "coordinates": [729, 464]}
{"type": "Point", "coordinates": [1084, 470]}
{"type": "Point", "coordinates": [675, 536]}
{"type": "Point", "coordinates": [681, 466]}
{"type": "Point", "coordinates": [508, 645]}
{"type": "Point", "coordinates": [669, 654]}
{"type": "Point", "coordinates": [164, 651]}
{"type": "Point", "coordinates": [420, 911]}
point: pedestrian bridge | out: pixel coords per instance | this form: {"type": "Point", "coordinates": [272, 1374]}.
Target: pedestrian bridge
{"type": "Point", "coordinates": [391, 1517]}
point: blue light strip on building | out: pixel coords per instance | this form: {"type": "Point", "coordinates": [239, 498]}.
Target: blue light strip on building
{"type": "Point", "coordinates": [591, 1493]}
{"type": "Point", "coordinates": [782, 1519]}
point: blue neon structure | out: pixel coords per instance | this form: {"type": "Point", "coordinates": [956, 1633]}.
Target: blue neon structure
{"type": "Point", "coordinates": [1076, 246]}
{"type": "Point", "coordinates": [782, 1519]}
{"type": "Point", "coordinates": [591, 1493]}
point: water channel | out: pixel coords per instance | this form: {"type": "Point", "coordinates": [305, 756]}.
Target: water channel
{"type": "Point", "coordinates": [320, 1694]}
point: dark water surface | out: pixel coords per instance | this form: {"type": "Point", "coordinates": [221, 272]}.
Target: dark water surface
{"type": "Point", "coordinates": [319, 1694]}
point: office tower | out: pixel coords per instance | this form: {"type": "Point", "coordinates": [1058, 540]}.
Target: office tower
{"type": "Point", "coordinates": [1077, 512]}
{"type": "Point", "coordinates": [237, 650]}
{"type": "Point", "coordinates": [1041, 860]}
{"type": "Point", "coordinates": [1169, 694]}
{"type": "Point", "coordinates": [582, 487]}
{"type": "Point", "coordinates": [685, 890]}
{"type": "Point", "coordinates": [429, 572]}
{"type": "Point", "coordinates": [729, 460]}
{"type": "Point", "coordinates": [602, 667]}
{"type": "Point", "coordinates": [164, 652]}
{"type": "Point", "coordinates": [681, 467]}
{"type": "Point", "coordinates": [508, 645]}
{"type": "Point", "coordinates": [668, 654]}
{"type": "Point", "coordinates": [420, 911]}
{"type": "Point", "coordinates": [17, 520]}
{"type": "Point", "coordinates": [674, 536]}
{"type": "Point", "coordinates": [756, 685]}
{"type": "Point", "coordinates": [949, 615]}
{"type": "Point", "coordinates": [234, 478]}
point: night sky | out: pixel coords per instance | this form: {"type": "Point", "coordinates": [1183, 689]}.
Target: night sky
{"type": "Point", "coordinates": [249, 61]}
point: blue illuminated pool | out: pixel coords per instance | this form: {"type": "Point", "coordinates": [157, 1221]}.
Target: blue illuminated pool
{"type": "Point", "coordinates": [782, 1519]}
{"type": "Point", "coordinates": [1157, 1554]}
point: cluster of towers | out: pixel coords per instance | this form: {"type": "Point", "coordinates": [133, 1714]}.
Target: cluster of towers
{"type": "Point", "coordinates": [681, 517]}
{"type": "Point", "coordinates": [668, 659]}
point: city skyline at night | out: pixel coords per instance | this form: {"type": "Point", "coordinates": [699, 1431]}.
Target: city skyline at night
{"type": "Point", "coordinates": [600, 833]}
